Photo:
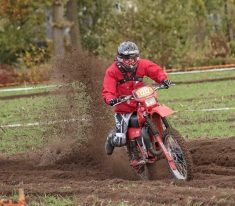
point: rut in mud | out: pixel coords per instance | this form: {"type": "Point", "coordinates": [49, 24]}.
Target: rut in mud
{"type": "Point", "coordinates": [88, 177]}
{"type": "Point", "coordinates": [68, 168]}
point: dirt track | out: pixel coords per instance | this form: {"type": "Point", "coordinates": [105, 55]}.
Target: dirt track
{"type": "Point", "coordinates": [96, 179]}
{"type": "Point", "coordinates": [93, 181]}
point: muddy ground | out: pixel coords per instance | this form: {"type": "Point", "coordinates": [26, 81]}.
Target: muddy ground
{"type": "Point", "coordinates": [67, 168]}
{"type": "Point", "coordinates": [100, 180]}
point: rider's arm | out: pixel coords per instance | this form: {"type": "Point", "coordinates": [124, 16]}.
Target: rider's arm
{"type": "Point", "coordinates": [109, 86]}
{"type": "Point", "coordinates": [154, 71]}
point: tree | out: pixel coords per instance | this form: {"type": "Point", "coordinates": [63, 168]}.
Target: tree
{"type": "Point", "coordinates": [20, 27]}
{"type": "Point", "coordinates": [58, 27]}
{"type": "Point", "coordinates": [72, 14]}
{"type": "Point", "coordinates": [229, 28]}
{"type": "Point", "coordinates": [173, 33]}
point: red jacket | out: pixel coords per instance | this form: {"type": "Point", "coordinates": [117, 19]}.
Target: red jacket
{"type": "Point", "coordinates": [111, 89]}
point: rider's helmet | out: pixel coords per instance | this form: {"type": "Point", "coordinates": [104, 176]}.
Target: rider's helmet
{"type": "Point", "coordinates": [128, 56]}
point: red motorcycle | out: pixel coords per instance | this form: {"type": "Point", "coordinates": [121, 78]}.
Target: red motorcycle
{"type": "Point", "coordinates": [153, 137]}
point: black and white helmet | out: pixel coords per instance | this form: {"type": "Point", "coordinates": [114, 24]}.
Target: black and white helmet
{"type": "Point", "coordinates": [128, 56]}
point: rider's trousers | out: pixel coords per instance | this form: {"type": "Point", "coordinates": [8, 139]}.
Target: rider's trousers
{"type": "Point", "coordinates": [119, 137]}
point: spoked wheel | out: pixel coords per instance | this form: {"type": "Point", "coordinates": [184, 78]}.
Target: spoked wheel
{"type": "Point", "coordinates": [176, 146]}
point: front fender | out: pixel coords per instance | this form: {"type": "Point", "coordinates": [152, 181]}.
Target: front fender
{"type": "Point", "coordinates": [162, 110]}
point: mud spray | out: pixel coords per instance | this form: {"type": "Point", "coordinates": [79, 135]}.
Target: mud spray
{"type": "Point", "coordinates": [74, 162]}
{"type": "Point", "coordinates": [84, 141]}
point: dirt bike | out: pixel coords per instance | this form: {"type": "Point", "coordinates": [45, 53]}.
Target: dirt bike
{"type": "Point", "coordinates": [153, 137]}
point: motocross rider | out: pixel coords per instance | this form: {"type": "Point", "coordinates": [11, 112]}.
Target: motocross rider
{"type": "Point", "coordinates": [121, 78]}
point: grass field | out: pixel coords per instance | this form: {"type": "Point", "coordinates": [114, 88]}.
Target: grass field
{"type": "Point", "coordinates": [25, 89]}
{"type": "Point", "coordinates": [182, 98]}
{"type": "Point", "coordinates": [195, 124]}
{"type": "Point", "coordinates": [57, 200]}
{"type": "Point", "coordinates": [41, 110]}
{"type": "Point", "coordinates": [201, 76]}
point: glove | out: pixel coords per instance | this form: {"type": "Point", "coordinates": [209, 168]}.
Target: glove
{"type": "Point", "coordinates": [166, 83]}
{"type": "Point", "coordinates": [113, 101]}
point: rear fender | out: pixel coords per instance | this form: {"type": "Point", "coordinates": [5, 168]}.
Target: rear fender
{"type": "Point", "coordinates": [134, 132]}
{"type": "Point", "coordinates": [162, 110]}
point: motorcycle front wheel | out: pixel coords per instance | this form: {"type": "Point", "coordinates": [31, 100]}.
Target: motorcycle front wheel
{"type": "Point", "coordinates": [177, 148]}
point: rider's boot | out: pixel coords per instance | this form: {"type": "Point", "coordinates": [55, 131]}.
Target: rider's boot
{"type": "Point", "coordinates": [108, 144]}
{"type": "Point", "coordinates": [135, 159]}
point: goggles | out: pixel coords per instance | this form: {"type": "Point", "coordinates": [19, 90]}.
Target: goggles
{"type": "Point", "coordinates": [130, 60]}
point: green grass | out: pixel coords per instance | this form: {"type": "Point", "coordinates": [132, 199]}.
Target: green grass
{"type": "Point", "coordinates": [75, 201]}
{"type": "Point", "coordinates": [194, 124]}
{"type": "Point", "coordinates": [22, 111]}
{"type": "Point", "coordinates": [36, 89]}
{"type": "Point", "coordinates": [181, 98]}
{"type": "Point", "coordinates": [40, 110]}
{"type": "Point", "coordinates": [14, 140]}
{"type": "Point", "coordinates": [53, 201]}
{"type": "Point", "coordinates": [199, 124]}
{"type": "Point", "coordinates": [46, 200]}
{"type": "Point", "coordinates": [58, 200]}
{"type": "Point", "coordinates": [207, 92]}
{"type": "Point", "coordinates": [201, 76]}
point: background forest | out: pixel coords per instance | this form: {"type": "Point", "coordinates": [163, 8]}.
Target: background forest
{"type": "Point", "coordinates": [176, 33]}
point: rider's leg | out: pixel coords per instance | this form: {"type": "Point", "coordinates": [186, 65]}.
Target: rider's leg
{"type": "Point", "coordinates": [118, 138]}
{"type": "Point", "coordinates": [108, 144]}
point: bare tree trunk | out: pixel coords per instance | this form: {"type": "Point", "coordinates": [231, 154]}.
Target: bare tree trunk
{"type": "Point", "coordinates": [58, 28]}
{"type": "Point", "coordinates": [229, 32]}
{"type": "Point", "coordinates": [72, 13]}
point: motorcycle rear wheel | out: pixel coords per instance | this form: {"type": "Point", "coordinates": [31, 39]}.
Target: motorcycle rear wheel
{"type": "Point", "coordinates": [176, 146]}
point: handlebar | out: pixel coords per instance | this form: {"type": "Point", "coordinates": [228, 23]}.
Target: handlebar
{"type": "Point", "coordinates": [126, 98]}
{"type": "Point", "coordinates": [162, 86]}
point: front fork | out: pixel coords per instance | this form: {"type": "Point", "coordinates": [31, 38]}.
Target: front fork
{"type": "Point", "coordinates": [153, 128]}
